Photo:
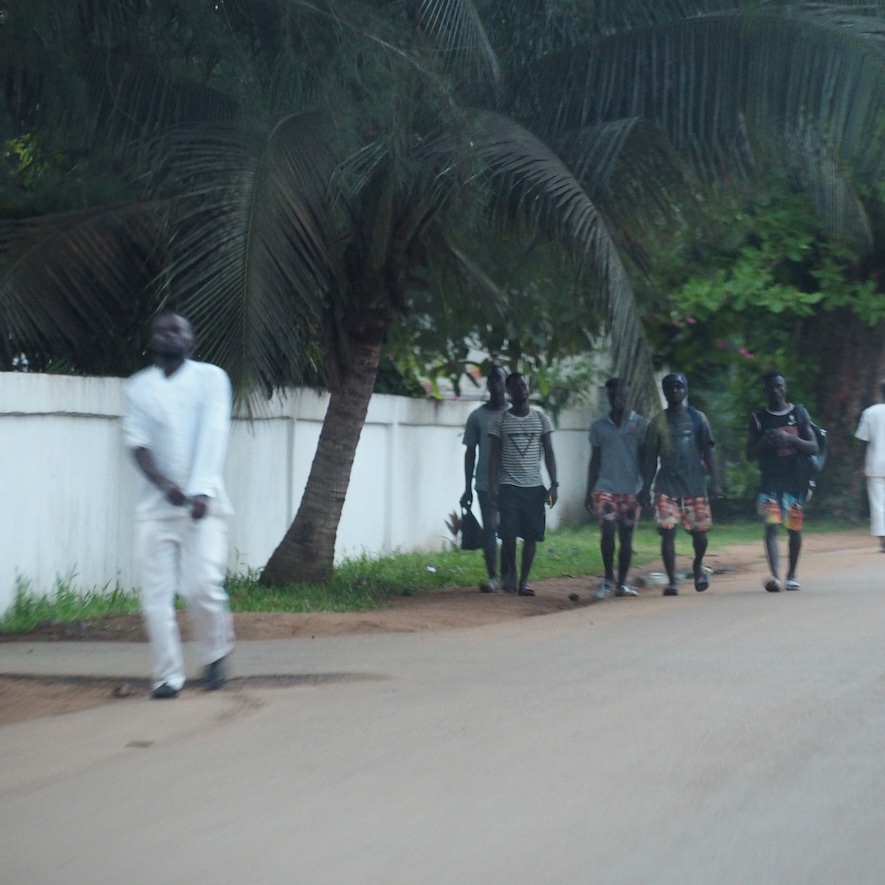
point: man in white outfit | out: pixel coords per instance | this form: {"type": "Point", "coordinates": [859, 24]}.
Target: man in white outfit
{"type": "Point", "coordinates": [871, 431]}
{"type": "Point", "coordinates": [177, 421]}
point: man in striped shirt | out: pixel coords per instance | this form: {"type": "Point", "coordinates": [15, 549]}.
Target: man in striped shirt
{"type": "Point", "coordinates": [519, 438]}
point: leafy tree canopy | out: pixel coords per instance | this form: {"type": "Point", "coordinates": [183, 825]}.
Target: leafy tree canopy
{"type": "Point", "coordinates": [730, 298]}
{"type": "Point", "coordinates": [294, 174]}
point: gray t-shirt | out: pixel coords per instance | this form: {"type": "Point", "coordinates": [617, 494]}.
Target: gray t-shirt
{"type": "Point", "coordinates": [620, 469]}
{"type": "Point", "coordinates": [476, 433]}
{"type": "Point", "coordinates": [681, 473]}
{"type": "Point", "coordinates": [521, 447]}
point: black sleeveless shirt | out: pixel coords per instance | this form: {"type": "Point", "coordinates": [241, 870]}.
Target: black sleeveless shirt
{"type": "Point", "coordinates": [783, 469]}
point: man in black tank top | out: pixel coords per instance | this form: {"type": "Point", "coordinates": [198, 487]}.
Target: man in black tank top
{"type": "Point", "coordinates": [781, 438]}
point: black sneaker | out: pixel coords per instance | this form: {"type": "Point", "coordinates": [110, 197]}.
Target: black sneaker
{"type": "Point", "coordinates": [672, 590]}
{"type": "Point", "coordinates": [164, 692]}
{"type": "Point", "coordinates": [215, 676]}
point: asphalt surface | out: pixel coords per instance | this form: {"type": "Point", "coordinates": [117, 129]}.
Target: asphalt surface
{"type": "Point", "coordinates": [733, 736]}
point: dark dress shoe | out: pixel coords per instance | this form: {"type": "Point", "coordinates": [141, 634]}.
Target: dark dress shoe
{"type": "Point", "coordinates": [215, 676]}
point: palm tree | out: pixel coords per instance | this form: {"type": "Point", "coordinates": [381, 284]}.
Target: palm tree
{"type": "Point", "coordinates": [289, 172]}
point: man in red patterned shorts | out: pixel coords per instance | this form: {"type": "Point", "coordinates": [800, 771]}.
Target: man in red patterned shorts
{"type": "Point", "coordinates": [681, 447]}
{"type": "Point", "coordinates": [614, 481]}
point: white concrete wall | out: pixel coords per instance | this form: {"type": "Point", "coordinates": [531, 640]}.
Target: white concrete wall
{"type": "Point", "coordinates": [69, 485]}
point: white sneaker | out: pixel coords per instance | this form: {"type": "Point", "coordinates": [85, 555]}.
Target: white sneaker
{"type": "Point", "coordinates": [624, 590]}
{"type": "Point", "coordinates": [605, 590]}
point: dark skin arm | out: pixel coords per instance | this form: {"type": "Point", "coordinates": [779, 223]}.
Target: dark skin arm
{"type": "Point", "coordinates": [712, 466]}
{"type": "Point", "coordinates": [649, 464]}
{"type": "Point", "coordinates": [174, 495]}
{"type": "Point", "coordinates": [753, 447]}
{"type": "Point", "coordinates": [758, 442]}
{"type": "Point", "coordinates": [592, 476]}
{"type": "Point", "coordinates": [550, 462]}
{"type": "Point", "coordinates": [494, 463]}
{"type": "Point", "coordinates": [469, 464]}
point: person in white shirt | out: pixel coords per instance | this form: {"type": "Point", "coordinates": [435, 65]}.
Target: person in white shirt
{"type": "Point", "coordinates": [871, 431]}
{"type": "Point", "coordinates": [176, 422]}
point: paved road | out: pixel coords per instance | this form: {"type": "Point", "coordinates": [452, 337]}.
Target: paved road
{"type": "Point", "coordinates": [729, 737]}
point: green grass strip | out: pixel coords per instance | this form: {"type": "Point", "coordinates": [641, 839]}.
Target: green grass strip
{"type": "Point", "coordinates": [362, 583]}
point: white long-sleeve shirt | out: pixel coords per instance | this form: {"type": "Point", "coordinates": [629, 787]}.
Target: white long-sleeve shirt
{"type": "Point", "coordinates": [184, 421]}
{"type": "Point", "coordinates": [872, 430]}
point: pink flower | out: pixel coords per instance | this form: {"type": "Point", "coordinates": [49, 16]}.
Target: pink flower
{"type": "Point", "coordinates": [690, 320]}
{"type": "Point", "coordinates": [722, 344]}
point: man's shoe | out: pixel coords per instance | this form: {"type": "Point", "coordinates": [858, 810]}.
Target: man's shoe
{"type": "Point", "coordinates": [525, 590]}
{"type": "Point", "coordinates": [489, 586]}
{"type": "Point", "coordinates": [793, 584]}
{"type": "Point", "coordinates": [773, 585]}
{"type": "Point", "coordinates": [605, 590]}
{"type": "Point", "coordinates": [624, 590]}
{"type": "Point", "coordinates": [215, 675]}
{"type": "Point", "coordinates": [164, 692]}
{"type": "Point", "coordinates": [701, 581]}
{"type": "Point", "coordinates": [672, 590]}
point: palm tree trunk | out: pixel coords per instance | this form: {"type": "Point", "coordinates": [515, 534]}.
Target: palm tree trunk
{"type": "Point", "coordinates": [307, 552]}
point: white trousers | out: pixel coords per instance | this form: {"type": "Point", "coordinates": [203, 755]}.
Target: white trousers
{"type": "Point", "coordinates": [876, 493]}
{"type": "Point", "coordinates": [188, 558]}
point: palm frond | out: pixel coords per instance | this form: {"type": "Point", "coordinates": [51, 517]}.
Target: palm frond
{"type": "Point", "coordinates": [134, 98]}
{"type": "Point", "coordinates": [469, 276]}
{"type": "Point", "coordinates": [633, 174]}
{"type": "Point", "coordinates": [537, 189]}
{"type": "Point", "coordinates": [706, 79]}
{"type": "Point", "coordinates": [456, 31]}
{"type": "Point", "coordinates": [828, 185]}
{"type": "Point", "coordinates": [78, 286]}
{"type": "Point", "coordinates": [251, 262]}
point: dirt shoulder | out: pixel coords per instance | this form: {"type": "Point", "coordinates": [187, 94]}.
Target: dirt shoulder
{"type": "Point", "coordinates": [25, 698]}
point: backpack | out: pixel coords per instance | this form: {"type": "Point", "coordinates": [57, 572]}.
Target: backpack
{"type": "Point", "coordinates": [816, 462]}
{"type": "Point", "coordinates": [698, 425]}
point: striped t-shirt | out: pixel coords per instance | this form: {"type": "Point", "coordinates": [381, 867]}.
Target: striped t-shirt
{"type": "Point", "coordinates": [521, 447]}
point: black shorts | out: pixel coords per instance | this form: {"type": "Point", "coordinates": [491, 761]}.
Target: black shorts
{"type": "Point", "coordinates": [521, 513]}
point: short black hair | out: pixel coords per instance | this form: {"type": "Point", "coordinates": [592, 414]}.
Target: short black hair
{"type": "Point", "coordinates": [171, 310]}
{"type": "Point", "coordinates": [513, 376]}
{"type": "Point", "coordinates": [494, 369]}
{"type": "Point", "coordinates": [674, 378]}
{"type": "Point", "coordinates": [770, 376]}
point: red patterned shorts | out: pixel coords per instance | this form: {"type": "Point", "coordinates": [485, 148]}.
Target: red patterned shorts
{"type": "Point", "coordinates": [692, 513]}
{"type": "Point", "coordinates": [781, 508]}
{"type": "Point", "coordinates": [609, 507]}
